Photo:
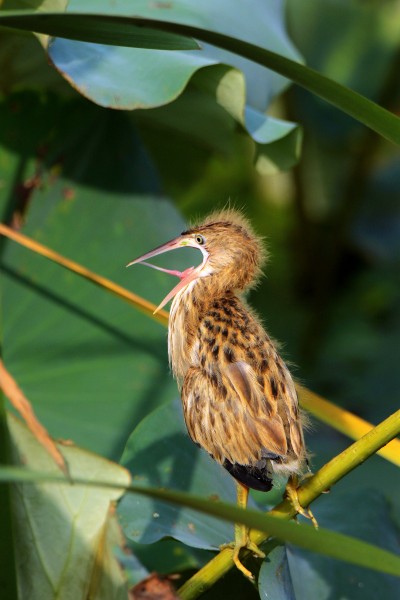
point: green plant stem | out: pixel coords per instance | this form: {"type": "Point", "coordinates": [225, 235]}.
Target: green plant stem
{"type": "Point", "coordinates": [313, 487]}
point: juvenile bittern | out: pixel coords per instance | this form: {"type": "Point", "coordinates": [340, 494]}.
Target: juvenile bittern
{"type": "Point", "coordinates": [239, 400]}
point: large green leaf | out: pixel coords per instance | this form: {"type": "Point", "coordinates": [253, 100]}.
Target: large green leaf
{"type": "Point", "coordinates": [132, 78]}
{"type": "Point", "coordinates": [91, 366]}
{"type": "Point", "coordinates": [64, 537]}
{"type": "Point", "coordinates": [257, 22]}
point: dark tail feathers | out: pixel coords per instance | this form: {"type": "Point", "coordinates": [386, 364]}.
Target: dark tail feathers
{"type": "Point", "coordinates": [253, 477]}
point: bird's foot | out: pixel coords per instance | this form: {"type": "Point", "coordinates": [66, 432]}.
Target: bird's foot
{"type": "Point", "coordinates": [242, 540]}
{"type": "Point", "coordinates": [292, 495]}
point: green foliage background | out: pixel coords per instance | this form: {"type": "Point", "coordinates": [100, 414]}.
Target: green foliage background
{"type": "Point", "coordinates": [159, 138]}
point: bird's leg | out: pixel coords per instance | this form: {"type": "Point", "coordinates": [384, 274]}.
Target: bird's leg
{"type": "Point", "coordinates": [292, 496]}
{"type": "Point", "coordinates": [242, 538]}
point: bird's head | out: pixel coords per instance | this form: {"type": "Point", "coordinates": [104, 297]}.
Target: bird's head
{"type": "Point", "coordinates": [232, 253]}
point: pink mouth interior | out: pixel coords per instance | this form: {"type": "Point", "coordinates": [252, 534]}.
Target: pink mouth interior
{"type": "Point", "coordinates": [185, 276]}
{"type": "Point", "coordinates": [180, 274]}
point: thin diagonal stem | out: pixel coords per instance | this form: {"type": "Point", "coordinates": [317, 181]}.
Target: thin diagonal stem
{"type": "Point", "coordinates": [322, 481]}
{"type": "Point", "coordinates": [140, 303]}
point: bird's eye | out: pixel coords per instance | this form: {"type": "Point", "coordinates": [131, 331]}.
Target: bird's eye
{"type": "Point", "coordinates": [199, 239]}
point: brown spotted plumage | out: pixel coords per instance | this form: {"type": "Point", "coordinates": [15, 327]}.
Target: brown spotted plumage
{"type": "Point", "coordinates": [239, 400]}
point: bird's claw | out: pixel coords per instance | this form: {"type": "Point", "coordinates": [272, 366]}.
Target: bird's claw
{"type": "Point", "coordinates": [236, 547]}
{"type": "Point", "coordinates": [292, 495]}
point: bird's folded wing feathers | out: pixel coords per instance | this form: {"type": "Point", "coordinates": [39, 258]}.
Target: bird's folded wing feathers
{"type": "Point", "coordinates": [257, 409]}
{"type": "Point", "coordinates": [236, 425]}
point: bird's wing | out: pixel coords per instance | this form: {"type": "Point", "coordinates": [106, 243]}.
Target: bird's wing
{"type": "Point", "coordinates": [227, 415]}
{"type": "Point", "coordinates": [262, 423]}
{"type": "Point", "coordinates": [287, 405]}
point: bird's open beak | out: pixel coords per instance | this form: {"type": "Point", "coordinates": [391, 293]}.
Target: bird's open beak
{"type": "Point", "coordinates": [185, 277]}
